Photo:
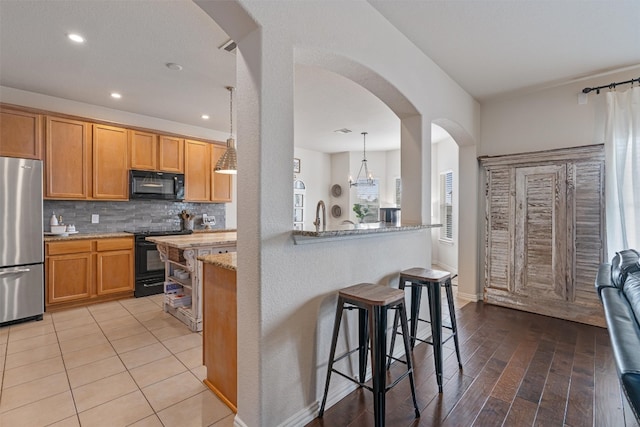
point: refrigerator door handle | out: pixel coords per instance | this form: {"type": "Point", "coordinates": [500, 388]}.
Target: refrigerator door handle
{"type": "Point", "coordinates": [16, 271]}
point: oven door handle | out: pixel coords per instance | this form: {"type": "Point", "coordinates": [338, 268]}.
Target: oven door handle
{"type": "Point", "coordinates": [146, 244]}
{"type": "Point", "coordinates": [152, 285]}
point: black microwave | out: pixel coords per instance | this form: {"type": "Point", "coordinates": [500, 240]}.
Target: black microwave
{"type": "Point", "coordinates": [155, 185]}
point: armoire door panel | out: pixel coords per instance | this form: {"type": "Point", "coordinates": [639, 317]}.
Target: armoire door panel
{"type": "Point", "coordinates": [588, 219]}
{"type": "Point", "coordinates": [541, 231]}
{"type": "Point", "coordinates": [499, 234]}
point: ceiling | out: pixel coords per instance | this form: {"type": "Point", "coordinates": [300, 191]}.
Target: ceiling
{"type": "Point", "coordinates": [491, 48]}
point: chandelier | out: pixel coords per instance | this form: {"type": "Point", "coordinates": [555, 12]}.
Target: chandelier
{"type": "Point", "coordinates": [365, 179]}
{"type": "Point", "coordinates": [228, 162]}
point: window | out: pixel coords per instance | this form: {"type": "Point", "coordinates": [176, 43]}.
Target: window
{"type": "Point", "coordinates": [369, 196]}
{"type": "Point", "coordinates": [446, 205]}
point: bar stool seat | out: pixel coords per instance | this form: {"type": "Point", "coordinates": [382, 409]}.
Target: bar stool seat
{"type": "Point", "coordinates": [372, 302]}
{"type": "Point", "coordinates": [431, 279]}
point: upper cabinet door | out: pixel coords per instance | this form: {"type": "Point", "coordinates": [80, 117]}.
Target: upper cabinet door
{"type": "Point", "coordinates": [20, 134]}
{"type": "Point", "coordinates": [220, 182]}
{"type": "Point", "coordinates": [67, 159]}
{"type": "Point", "coordinates": [143, 150]}
{"type": "Point", "coordinates": [171, 154]}
{"type": "Point", "coordinates": [110, 164]}
{"type": "Point", "coordinates": [197, 171]}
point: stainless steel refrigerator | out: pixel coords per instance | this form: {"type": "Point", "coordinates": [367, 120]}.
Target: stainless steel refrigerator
{"type": "Point", "coordinates": [21, 240]}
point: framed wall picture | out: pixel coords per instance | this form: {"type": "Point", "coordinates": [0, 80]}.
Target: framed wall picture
{"type": "Point", "coordinates": [296, 165]}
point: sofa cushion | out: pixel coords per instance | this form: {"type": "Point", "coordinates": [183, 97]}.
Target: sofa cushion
{"type": "Point", "coordinates": [631, 290]}
{"type": "Point", "coordinates": [603, 278]}
{"type": "Point", "coordinates": [624, 334]}
{"type": "Point", "coordinates": [623, 263]}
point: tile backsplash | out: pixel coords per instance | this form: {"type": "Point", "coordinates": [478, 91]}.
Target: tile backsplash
{"type": "Point", "coordinates": [133, 215]}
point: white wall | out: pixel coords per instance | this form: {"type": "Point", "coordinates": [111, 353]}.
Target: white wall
{"type": "Point", "coordinates": [547, 119]}
{"type": "Point", "coordinates": [315, 171]}
{"type": "Point", "coordinates": [287, 292]}
{"type": "Point", "coordinates": [388, 198]}
{"type": "Point", "coordinates": [340, 176]}
{"type": "Point", "coordinates": [445, 158]}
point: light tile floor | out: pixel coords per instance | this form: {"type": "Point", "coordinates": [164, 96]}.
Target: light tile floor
{"type": "Point", "coordinates": [122, 363]}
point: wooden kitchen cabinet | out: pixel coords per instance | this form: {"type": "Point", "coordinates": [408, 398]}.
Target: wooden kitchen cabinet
{"type": "Point", "coordinates": [197, 171]}
{"type": "Point", "coordinates": [220, 182]}
{"type": "Point", "coordinates": [201, 183]}
{"type": "Point", "coordinates": [85, 161]}
{"type": "Point", "coordinates": [148, 151]}
{"type": "Point", "coordinates": [110, 163]}
{"type": "Point", "coordinates": [220, 336]}
{"type": "Point", "coordinates": [544, 236]}
{"type": "Point", "coordinates": [143, 150]}
{"type": "Point", "coordinates": [170, 154]}
{"type": "Point", "coordinates": [67, 162]}
{"type": "Point", "coordinates": [68, 271]}
{"type": "Point", "coordinates": [85, 271]}
{"type": "Point", "coordinates": [114, 266]}
{"type": "Point", "coordinates": [20, 134]}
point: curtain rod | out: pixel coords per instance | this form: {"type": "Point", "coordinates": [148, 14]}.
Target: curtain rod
{"type": "Point", "coordinates": [609, 86]}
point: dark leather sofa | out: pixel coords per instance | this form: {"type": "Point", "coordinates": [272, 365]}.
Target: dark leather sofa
{"type": "Point", "coordinates": [618, 286]}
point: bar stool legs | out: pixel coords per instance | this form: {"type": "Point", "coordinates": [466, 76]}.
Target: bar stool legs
{"type": "Point", "coordinates": [454, 325]}
{"type": "Point", "coordinates": [432, 280]}
{"type": "Point", "coordinates": [373, 303]}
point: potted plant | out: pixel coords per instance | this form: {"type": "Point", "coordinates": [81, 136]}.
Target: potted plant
{"type": "Point", "coordinates": [361, 211]}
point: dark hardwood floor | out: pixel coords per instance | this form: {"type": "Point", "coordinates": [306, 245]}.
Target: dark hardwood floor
{"type": "Point", "coordinates": [519, 369]}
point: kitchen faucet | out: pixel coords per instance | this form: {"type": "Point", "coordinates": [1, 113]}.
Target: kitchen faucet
{"type": "Point", "coordinates": [324, 216]}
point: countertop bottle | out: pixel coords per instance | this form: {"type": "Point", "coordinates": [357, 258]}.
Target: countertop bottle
{"type": "Point", "coordinates": [54, 220]}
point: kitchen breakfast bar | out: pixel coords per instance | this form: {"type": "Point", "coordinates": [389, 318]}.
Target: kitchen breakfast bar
{"type": "Point", "coordinates": [211, 261]}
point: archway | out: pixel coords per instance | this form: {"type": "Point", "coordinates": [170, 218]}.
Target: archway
{"type": "Point", "coordinates": [287, 291]}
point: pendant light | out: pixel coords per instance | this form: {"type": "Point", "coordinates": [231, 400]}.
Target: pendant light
{"type": "Point", "coordinates": [367, 179]}
{"type": "Point", "coordinates": [228, 162]}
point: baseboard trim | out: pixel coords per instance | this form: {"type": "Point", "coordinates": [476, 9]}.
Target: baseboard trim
{"type": "Point", "coordinates": [310, 412]}
{"type": "Point", "coordinates": [469, 297]}
{"type": "Point", "coordinates": [237, 422]}
{"type": "Point", "coordinates": [443, 266]}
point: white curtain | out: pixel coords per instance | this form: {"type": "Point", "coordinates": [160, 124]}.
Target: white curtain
{"type": "Point", "coordinates": [622, 164]}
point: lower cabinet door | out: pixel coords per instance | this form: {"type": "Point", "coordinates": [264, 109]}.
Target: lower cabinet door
{"type": "Point", "coordinates": [68, 277]}
{"type": "Point", "coordinates": [114, 271]}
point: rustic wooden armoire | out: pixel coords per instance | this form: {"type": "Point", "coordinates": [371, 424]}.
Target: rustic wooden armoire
{"type": "Point", "coordinates": [545, 232]}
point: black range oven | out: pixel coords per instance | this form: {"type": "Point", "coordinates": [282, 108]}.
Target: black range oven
{"type": "Point", "coordinates": [149, 278]}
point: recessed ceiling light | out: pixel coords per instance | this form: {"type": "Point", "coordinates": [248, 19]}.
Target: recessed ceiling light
{"type": "Point", "coordinates": [173, 66]}
{"type": "Point", "coordinates": [116, 95]}
{"type": "Point", "coordinates": [343, 130]}
{"type": "Point", "coordinates": [75, 37]}
{"type": "Point", "coordinates": [205, 117]}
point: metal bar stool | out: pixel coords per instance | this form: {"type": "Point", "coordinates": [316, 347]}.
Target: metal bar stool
{"type": "Point", "coordinates": [432, 280]}
{"type": "Point", "coordinates": [372, 302]}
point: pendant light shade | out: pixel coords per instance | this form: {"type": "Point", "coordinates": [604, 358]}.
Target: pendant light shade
{"type": "Point", "coordinates": [228, 162]}
{"type": "Point", "coordinates": [365, 179]}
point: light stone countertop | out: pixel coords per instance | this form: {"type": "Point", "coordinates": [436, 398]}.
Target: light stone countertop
{"type": "Point", "coordinates": [188, 241]}
{"type": "Point", "coordinates": [84, 236]}
{"type": "Point", "coordinates": [228, 260]}
{"type": "Point", "coordinates": [214, 230]}
{"type": "Point", "coordinates": [354, 231]}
